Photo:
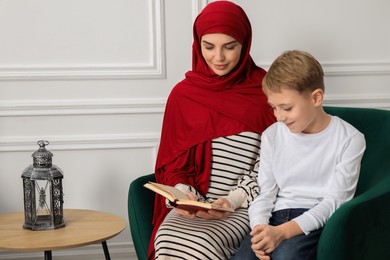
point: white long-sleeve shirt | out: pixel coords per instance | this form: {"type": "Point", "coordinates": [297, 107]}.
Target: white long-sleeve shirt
{"type": "Point", "coordinates": [315, 171]}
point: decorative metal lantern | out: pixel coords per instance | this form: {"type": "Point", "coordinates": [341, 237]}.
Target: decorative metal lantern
{"type": "Point", "coordinates": [43, 194]}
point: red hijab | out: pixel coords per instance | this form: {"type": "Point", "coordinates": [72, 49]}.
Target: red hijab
{"type": "Point", "coordinates": [205, 106]}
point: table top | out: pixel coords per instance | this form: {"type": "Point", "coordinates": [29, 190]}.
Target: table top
{"type": "Point", "coordinates": [82, 227]}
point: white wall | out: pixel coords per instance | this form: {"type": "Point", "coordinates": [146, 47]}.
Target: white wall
{"type": "Point", "coordinates": [92, 77]}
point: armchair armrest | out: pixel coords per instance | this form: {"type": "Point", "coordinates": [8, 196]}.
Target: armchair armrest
{"type": "Point", "coordinates": [360, 229]}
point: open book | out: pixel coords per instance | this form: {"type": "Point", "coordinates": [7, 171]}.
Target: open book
{"type": "Point", "coordinates": [180, 200]}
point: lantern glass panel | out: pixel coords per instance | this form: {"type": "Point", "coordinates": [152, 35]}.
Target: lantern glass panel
{"type": "Point", "coordinates": [43, 203]}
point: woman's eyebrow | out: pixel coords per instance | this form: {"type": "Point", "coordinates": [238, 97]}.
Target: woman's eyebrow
{"type": "Point", "coordinates": [207, 42]}
{"type": "Point", "coordinates": [231, 42]}
{"type": "Point", "coordinates": [223, 44]}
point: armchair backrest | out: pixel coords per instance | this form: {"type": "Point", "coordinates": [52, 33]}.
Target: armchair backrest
{"type": "Point", "coordinates": [375, 125]}
{"type": "Point", "coordinates": [360, 229]}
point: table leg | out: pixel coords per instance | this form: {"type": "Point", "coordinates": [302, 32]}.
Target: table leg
{"type": "Point", "coordinates": [105, 249]}
{"type": "Point", "coordinates": [48, 255]}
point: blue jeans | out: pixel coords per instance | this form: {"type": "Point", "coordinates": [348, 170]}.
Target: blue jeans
{"type": "Point", "coordinates": [301, 247]}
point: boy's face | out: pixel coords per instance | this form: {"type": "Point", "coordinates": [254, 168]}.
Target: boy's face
{"type": "Point", "coordinates": [296, 110]}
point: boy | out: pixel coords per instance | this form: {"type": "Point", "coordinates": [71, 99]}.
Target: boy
{"type": "Point", "coordinates": [309, 163]}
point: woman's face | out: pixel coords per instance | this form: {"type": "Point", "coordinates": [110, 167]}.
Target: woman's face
{"type": "Point", "coordinates": [221, 52]}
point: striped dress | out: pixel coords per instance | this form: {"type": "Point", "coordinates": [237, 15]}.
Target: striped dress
{"type": "Point", "coordinates": [234, 168]}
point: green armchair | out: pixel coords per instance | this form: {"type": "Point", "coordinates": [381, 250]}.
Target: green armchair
{"type": "Point", "coordinates": [360, 229]}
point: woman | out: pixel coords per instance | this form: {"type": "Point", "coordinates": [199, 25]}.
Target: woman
{"type": "Point", "coordinates": [210, 139]}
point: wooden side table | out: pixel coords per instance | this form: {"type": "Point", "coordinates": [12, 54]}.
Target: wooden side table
{"type": "Point", "coordinates": [83, 227]}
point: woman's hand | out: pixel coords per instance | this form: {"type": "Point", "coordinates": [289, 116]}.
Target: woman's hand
{"type": "Point", "coordinates": [185, 213]}
{"type": "Point", "coordinates": [206, 214]}
{"type": "Point", "coordinates": [215, 214]}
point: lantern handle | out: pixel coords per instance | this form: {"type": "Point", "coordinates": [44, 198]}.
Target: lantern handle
{"type": "Point", "coordinates": [42, 143]}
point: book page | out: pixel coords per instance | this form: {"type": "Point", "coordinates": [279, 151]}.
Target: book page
{"type": "Point", "coordinates": [161, 189]}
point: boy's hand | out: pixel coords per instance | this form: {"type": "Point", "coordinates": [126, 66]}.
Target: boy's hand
{"type": "Point", "coordinates": [265, 239]}
{"type": "Point", "coordinates": [262, 255]}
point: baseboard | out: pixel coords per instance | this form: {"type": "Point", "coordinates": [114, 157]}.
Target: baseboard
{"type": "Point", "coordinates": [118, 251]}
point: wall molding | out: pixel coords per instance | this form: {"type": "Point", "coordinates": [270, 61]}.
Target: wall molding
{"type": "Point", "coordinates": [10, 108]}
{"type": "Point", "coordinates": [156, 69]}
{"type": "Point", "coordinates": [69, 107]}
{"type": "Point", "coordinates": [356, 69]}
{"type": "Point", "coordinates": [197, 7]}
{"type": "Point", "coordinates": [366, 101]}
{"type": "Point", "coordinates": [82, 142]}
{"type": "Point", "coordinates": [340, 69]}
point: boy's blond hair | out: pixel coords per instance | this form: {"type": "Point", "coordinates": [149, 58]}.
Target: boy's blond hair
{"type": "Point", "coordinates": [294, 70]}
